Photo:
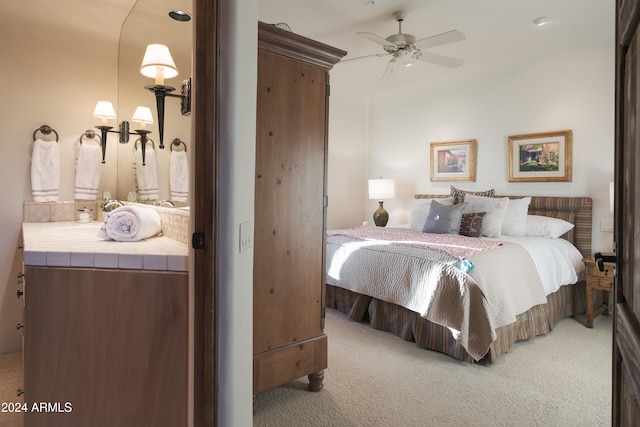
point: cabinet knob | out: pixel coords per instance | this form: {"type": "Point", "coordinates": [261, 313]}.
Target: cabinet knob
{"type": "Point", "coordinates": [19, 392]}
{"type": "Point", "coordinates": [19, 293]}
{"type": "Point", "coordinates": [19, 326]}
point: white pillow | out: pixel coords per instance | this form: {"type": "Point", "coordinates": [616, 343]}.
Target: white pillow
{"type": "Point", "coordinates": [420, 211]}
{"type": "Point", "coordinates": [495, 207]}
{"type": "Point", "coordinates": [545, 226]}
{"type": "Point", "coordinates": [514, 222]}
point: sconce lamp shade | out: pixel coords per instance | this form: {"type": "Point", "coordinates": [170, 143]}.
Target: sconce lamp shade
{"type": "Point", "coordinates": [104, 110]}
{"type": "Point", "coordinates": [142, 115]}
{"type": "Point", "coordinates": [381, 189]}
{"type": "Point", "coordinates": [158, 63]}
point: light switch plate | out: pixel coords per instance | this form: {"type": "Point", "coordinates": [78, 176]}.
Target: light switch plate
{"type": "Point", "coordinates": [606, 225]}
{"type": "Point", "coordinates": [246, 235]}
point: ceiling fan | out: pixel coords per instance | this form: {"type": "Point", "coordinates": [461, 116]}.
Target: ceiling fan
{"type": "Point", "coordinates": [404, 48]}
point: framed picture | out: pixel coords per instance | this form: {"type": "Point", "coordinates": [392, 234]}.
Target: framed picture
{"type": "Point", "coordinates": [453, 161]}
{"type": "Point", "coordinates": [542, 157]}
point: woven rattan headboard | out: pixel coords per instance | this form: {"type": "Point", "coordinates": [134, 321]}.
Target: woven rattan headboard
{"type": "Point", "coordinates": [576, 210]}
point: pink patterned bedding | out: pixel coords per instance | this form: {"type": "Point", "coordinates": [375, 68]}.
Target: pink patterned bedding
{"type": "Point", "coordinates": [457, 246]}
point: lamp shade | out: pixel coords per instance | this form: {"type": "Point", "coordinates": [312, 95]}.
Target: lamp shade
{"type": "Point", "coordinates": [104, 110]}
{"type": "Point", "coordinates": [381, 189]}
{"type": "Point", "coordinates": [158, 63]}
{"type": "Point", "coordinates": [611, 197]}
{"type": "Point", "coordinates": [142, 115]}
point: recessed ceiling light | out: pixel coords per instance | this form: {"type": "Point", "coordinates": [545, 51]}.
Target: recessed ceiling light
{"type": "Point", "coordinates": [541, 20]}
{"type": "Point", "coordinates": [180, 15]}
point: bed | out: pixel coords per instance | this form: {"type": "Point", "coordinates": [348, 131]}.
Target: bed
{"type": "Point", "coordinates": [465, 315]}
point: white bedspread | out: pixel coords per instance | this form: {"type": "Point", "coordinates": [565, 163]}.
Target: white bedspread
{"type": "Point", "coordinates": [504, 283]}
{"type": "Point", "coordinates": [558, 262]}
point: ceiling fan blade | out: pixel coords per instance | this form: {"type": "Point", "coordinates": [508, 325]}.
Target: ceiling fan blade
{"type": "Point", "coordinates": [376, 39]}
{"type": "Point", "coordinates": [440, 39]}
{"type": "Point", "coordinates": [365, 57]}
{"type": "Point", "coordinates": [392, 69]}
{"type": "Point", "coordinates": [434, 58]}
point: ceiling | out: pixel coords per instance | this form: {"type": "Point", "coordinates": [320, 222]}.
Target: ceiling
{"type": "Point", "coordinates": [500, 34]}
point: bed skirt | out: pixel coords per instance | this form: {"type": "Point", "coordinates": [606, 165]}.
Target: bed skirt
{"type": "Point", "coordinates": [539, 320]}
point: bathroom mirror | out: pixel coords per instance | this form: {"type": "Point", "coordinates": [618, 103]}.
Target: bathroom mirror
{"type": "Point", "coordinates": [149, 22]}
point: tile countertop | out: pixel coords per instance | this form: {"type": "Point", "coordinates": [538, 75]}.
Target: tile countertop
{"type": "Point", "coordinates": [74, 244]}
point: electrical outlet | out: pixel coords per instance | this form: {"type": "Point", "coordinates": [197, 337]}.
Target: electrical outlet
{"type": "Point", "coordinates": [246, 235]}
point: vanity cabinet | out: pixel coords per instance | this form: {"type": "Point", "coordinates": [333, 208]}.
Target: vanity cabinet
{"type": "Point", "coordinates": [105, 347]}
{"type": "Point", "coordinates": [290, 208]}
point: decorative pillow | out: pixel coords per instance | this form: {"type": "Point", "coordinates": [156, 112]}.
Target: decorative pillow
{"type": "Point", "coordinates": [514, 222]}
{"type": "Point", "coordinates": [420, 211]}
{"type": "Point", "coordinates": [458, 194]}
{"type": "Point", "coordinates": [494, 208]}
{"type": "Point", "coordinates": [444, 219]}
{"type": "Point", "coordinates": [545, 226]}
{"type": "Point", "coordinates": [471, 224]}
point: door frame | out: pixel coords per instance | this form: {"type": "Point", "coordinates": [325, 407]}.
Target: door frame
{"type": "Point", "coordinates": [626, 332]}
{"type": "Point", "coordinates": [205, 210]}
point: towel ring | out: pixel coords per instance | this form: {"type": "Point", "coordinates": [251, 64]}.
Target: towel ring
{"type": "Point", "coordinates": [91, 135]}
{"type": "Point", "coordinates": [153, 144]}
{"type": "Point", "coordinates": [177, 143]}
{"type": "Point", "coordinates": [45, 130]}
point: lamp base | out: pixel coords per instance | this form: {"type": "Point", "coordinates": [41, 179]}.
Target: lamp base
{"type": "Point", "coordinates": [380, 216]}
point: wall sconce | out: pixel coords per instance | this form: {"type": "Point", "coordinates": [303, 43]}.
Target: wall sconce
{"type": "Point", "coordinates": [104, 110]}
{"type": "Point", "coordinates": [143, 116]}
{"type": "Point", "coordinates": [158, 63]}
{"type": "Point", "coordinates": [380, 189]}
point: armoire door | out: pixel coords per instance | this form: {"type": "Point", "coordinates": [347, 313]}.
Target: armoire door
{"type": "Point", "coordinates": [289, 203]}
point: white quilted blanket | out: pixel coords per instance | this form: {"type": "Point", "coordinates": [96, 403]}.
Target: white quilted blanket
{"type": "Point", "coordinates": [503, 284]}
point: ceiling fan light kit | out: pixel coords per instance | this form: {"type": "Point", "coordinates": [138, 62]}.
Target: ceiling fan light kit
{"type": "Point", "coordinates": [404, 48]}
{"type": "Point", "coordinates": [541, 20]}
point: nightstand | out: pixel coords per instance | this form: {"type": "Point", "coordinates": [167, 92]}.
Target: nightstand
{"type": "Point", "coordinates": [597, 281]}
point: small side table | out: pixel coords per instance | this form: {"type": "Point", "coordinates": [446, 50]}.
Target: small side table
{"type": "Point", "coordinates": [597, 281]}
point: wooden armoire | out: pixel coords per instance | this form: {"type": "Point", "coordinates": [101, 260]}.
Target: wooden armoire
{"type": "Point", "coordinates": [290, 208]}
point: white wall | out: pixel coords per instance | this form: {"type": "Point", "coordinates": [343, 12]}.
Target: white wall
{"type": "Point", "coordinates": [239, 35]}
{"type": "Point", "coordinates": [569, 90]}
{"type": "Point", "coordinates": [347, 160]}
{"type": "Point", "coordinates": [50, 76]}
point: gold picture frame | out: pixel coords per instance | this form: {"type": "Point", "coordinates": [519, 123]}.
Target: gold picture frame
{"type": "Point", "coordinates": [540, 157]}
{"type": "Point", "coordinates": [453, 161]}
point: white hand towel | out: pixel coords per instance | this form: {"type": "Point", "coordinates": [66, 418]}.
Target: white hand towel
{"type": "Point", "coordinates": [146, 176]}
{"type": "Point", "coordinates": [45, 171]}
{"type": "Point", "coordinates": [130, 224]}
{"type": "Point", "coordinates": [179, 176]}
{"type": "Point", "coordinates": [88, 171]}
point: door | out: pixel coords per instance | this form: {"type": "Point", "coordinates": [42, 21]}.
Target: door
{"type": "Point", "coordinates": [626, 326]}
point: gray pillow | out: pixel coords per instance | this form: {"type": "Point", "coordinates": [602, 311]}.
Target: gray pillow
{"type": "Point", "coordinates": [444, 219]}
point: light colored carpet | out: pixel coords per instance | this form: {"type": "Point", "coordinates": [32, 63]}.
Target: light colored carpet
{"type": "Point", "coordinates": [377, 379]}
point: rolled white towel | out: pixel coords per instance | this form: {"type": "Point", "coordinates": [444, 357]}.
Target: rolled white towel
{"type": "Point", "coordinates": [130, 224]}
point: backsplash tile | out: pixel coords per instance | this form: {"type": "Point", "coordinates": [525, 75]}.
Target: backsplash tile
{"type": "Point", "coordinates": [57, 211]}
